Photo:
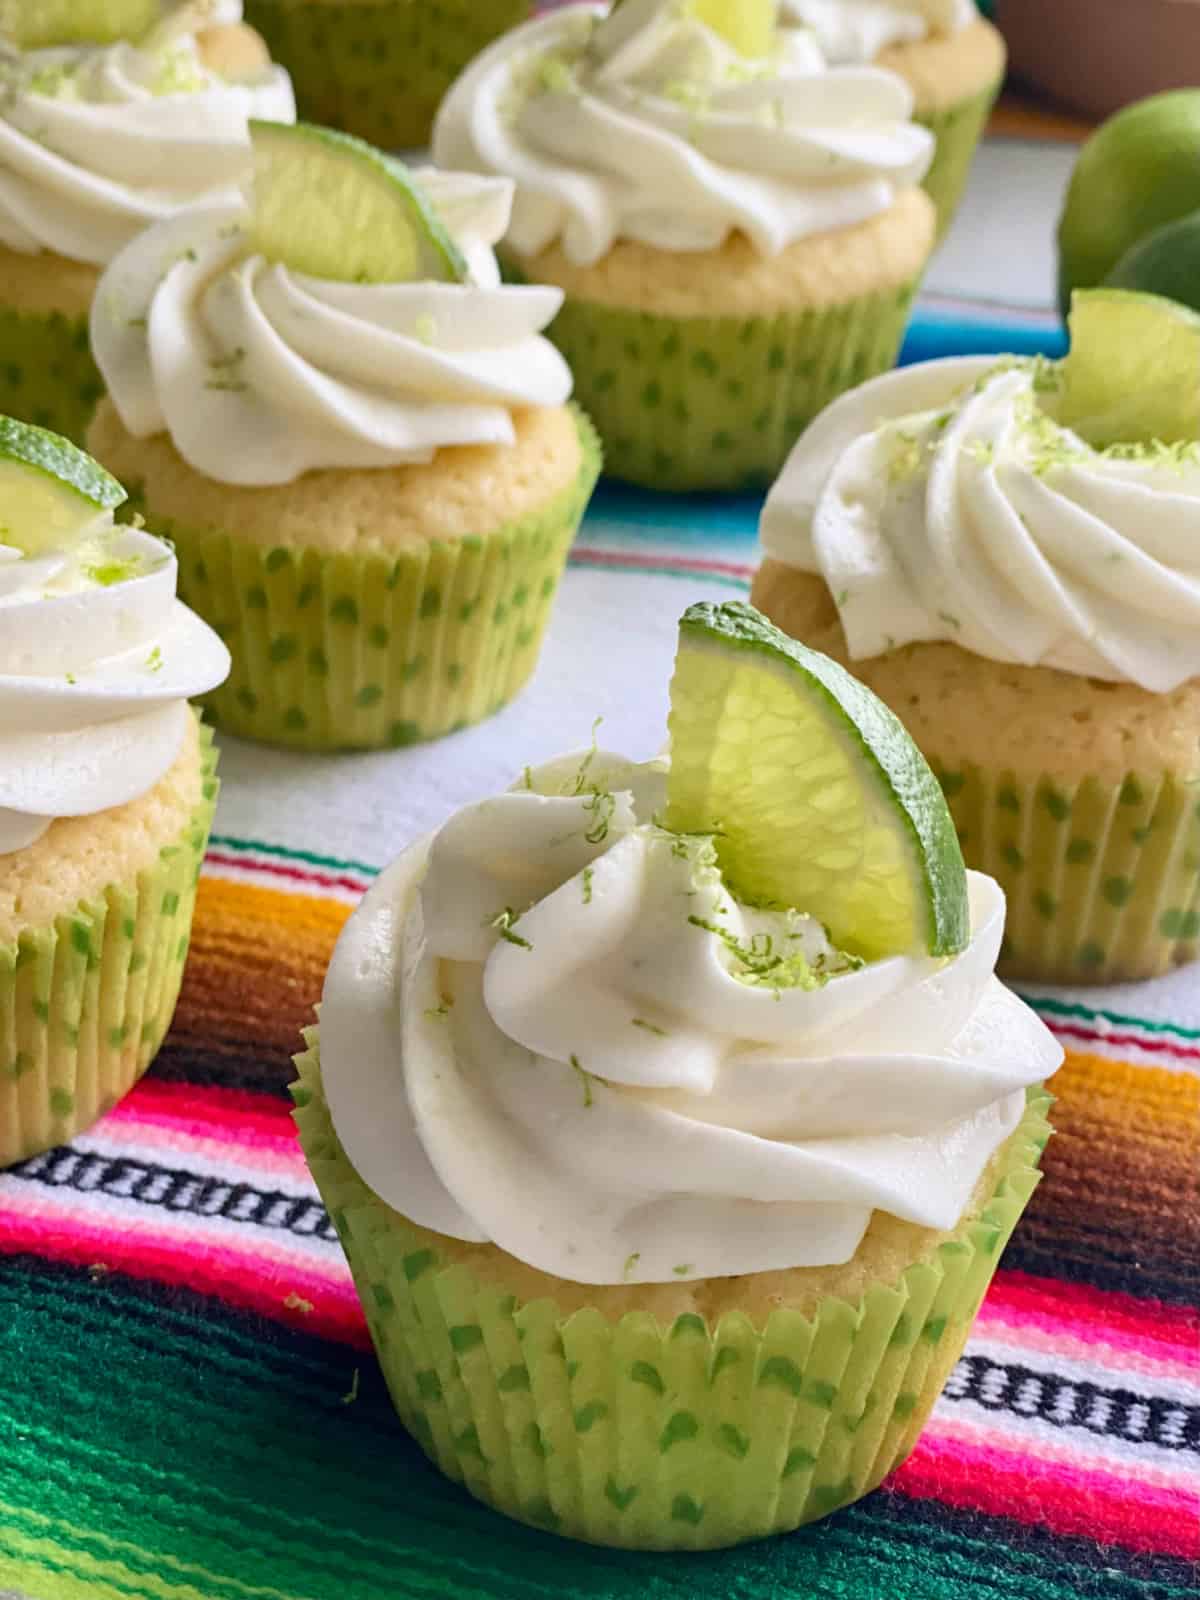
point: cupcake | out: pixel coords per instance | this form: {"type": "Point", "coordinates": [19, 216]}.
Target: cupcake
{"type": "Point", "coordinates": [670, 1213]}
{"type": "Point", "coordinates": [355, 437]}
{"type": "Point", "coordinates": [1028, 604]}
{"type": "Point", "coordinates": [96, 142]}
{"type": "Point", "coordinates": [950, 57]}
{"type": "Point", "coordinates": [738, 239]}
{"type": "Point", "coordinates": [378, 68]}
{"type": "Point", "coordinates": [106, 791]}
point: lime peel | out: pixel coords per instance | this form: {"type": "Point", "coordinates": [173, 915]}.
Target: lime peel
{"type": "Point", "coordinates": [817, 797]}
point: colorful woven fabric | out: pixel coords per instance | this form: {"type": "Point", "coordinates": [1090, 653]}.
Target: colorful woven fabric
{"type": "Point", "coordinates": [189, 1407]}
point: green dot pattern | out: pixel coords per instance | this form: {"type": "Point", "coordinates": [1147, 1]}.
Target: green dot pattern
{"type": "Point", "coordinates": [379, 71]}
{"type": "Point", "coordinates": [47, 375]}
{"type": "Point", "coordinates": [1102, 881]}
{"type": "Point", "coordinates": [85, 1002]}
{"type": "Point", "coordinates": [674, 399]}
{"type": "Point", "coordinates": [374, 652]}
{"type": "Point", "coordinates": [628, 1431]}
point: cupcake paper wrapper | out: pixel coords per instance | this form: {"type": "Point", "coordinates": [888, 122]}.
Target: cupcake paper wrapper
{"type": "Point", "coordinates": [1103, 882]}
{"type": "Point", "coordinates": [84, 1003]}
{"type": "Point", "coordinates": [363, 652]}
{"type": "Point", "coordinates": [958, 130]}
{"type": "Point", "coordinates": [717, 402]}
{"type": "Point", "coordinates": [47, 375]}
{"type": "Point", "coordinates": [376, 69]}
{"type": "Point", "coordinates": [630, 1434]}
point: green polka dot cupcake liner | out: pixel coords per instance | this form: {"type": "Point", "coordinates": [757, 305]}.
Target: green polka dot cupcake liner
{"type": "Point", "coordinates": [958, 130]}
{"type": "Point", "coordinates": [47, 375]}
{"type": "Point", "coordinates": [1102, 879]}
{"type": "Point", "coordinates": [378, 68]}
{"type": "Point", "coordinates": [716, 403]}
{"type": "Point", "coordinates": [368, 652]}
{"type": "Point", "coordinates": [85, 1003]}
{"type": "Point", "coordinates": [628, 1433]}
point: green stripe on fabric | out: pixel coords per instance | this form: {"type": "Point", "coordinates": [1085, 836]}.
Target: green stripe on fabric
{"type": "Point", "coordinates": [227, 841]}
{"type": "Point", "coordinates": [1072, 1008]}
{"type": "Point", "coordinates": [253, 1478]}
{"type": "Point", "coordinates": [639, 570]}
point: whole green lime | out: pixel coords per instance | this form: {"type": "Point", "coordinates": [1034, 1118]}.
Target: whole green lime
{"type": "Point", "coordinates": [1165, 262]}
{"type": "Point", "coordinates": [1138, 171]}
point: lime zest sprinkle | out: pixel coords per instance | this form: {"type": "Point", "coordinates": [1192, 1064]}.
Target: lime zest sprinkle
{"type": "Point", "coordinates": [602, 803]}
{"type": "Point", "coordinates": [71, 678]}
{"type": "Point", "coordinates": [503, 923]}
{"type": "Point", "coordinates": [631, 1261]}
{"type": "Point", "coordinates": [225, 372]}
{"type": "Point", "coordinates": [650, 1027]}
{"type": "Point", "coordinates": [527, 779]}
{"type": "Point", "coordinates": [154, 661]}
{"type": "Point", "coordinates": [683, 1269]}
{"type": "Point", "coordinates": [440, 1010]}
{"type": "Point", "coordinates": [585, 1079]}
{"type": "Point", "coordinates": [588, 873]}
{"type": "Point", "coordinates": [949, 619]}
{"type": "Point", "coordinates": [138, 322]}
{"type": "Point", "coordinates": [581, 777]}
{"type": "Point", "coordinates": [762, 965]}
{"type": "Point", "coordinates": [351, 1396]}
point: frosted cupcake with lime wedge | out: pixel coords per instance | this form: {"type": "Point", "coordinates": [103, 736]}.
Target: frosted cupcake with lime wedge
{"type": "Point", "coordinates": [737, 228]}
{"type": "Point", "coordinates": [378, 68]}
{"type": "Point", "coordinates": [670, 1115]}
{"type": "Point", "coordinates": [951, 58]}
{"type": "Point", "coordinates": [354, 434]}
{"type": "Point", "coordinates": [96, 143]}
{"type": "Point", "coordinates": [106, 790]}
{"type": "Point", "coordinates": [1029, 602]}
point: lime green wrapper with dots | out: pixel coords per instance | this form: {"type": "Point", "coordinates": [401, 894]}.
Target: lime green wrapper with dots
{"type": "Point", "coordinates": [378, 68]}
{"type": "Point", "coordinates": [688, 403]}
{"type": "Point", "coordinates": [627, 1433]}
{"type": "Point", "coordinates": [365, 652]}
{"type": "Point", "coordinates": [958, 130]}
{"type": "Point", "coordinates": [1102, 880]}
{"type": "Point", "coordinates": [47, 375]}
{"type": "Point", "coordinates": [84, 1003]}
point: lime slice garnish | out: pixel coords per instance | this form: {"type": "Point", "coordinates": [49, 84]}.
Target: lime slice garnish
{"type": "Point", "coordinates": [818, 798]}
{"type": "Point", "coordinates": [748, 25]}
{"type": "Point", "coordinates": [50, 491]}
{"type": "Point", "coordinates": [38, 24]}
{"type": "Point", "coordinates": [332, 206]}
{"type": "Point", "coordinates": [1132, 375]}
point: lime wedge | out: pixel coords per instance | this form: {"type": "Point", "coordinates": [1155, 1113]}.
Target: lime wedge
{"type": "Point", "coordinates": [748, 25]}
{"type": "Point", "coordinates": [50, 491]}
{"type": "Point", "coordinates": [819, 799]}
{"type": "Point", "coordinates": [1132, 374]}
{"type": "Point", "coordinates": [38, 24]}
{"type": "Point", "coordinates": [332, 206]}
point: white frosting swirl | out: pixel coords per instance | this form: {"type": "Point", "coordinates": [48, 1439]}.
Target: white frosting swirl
{"type": "Point", "coordinates": [97, 143]}
{"type": "Point", "coordinates": [644, 124]}
{"type": "Point", "coordinates": [617, 1084]}
{"type": "Point", "coordinates": [97, 662]}
{"type": "Point", "coordinates": [853, 31]}
{"type": "Point", "coordinates": [942, 502]}
{"type": "Point", "coordinates": [260, 373]}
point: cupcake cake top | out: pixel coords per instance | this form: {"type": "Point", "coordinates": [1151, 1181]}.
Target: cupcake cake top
{"type": "Point", "coordinates": [97, 657]}
{"type": "Point", "coordinates": [850, 31]}
{"type": "Point", "coordinates": [573, 1025]}
{"type": "Point", "coordinates": [946, 502]}
{"type": "Point", "coordinates": [98, 142]}
{"type": "Point", "coordinates": [349, 314]}
{"type": "Point", "coordinates": [644, 123]}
